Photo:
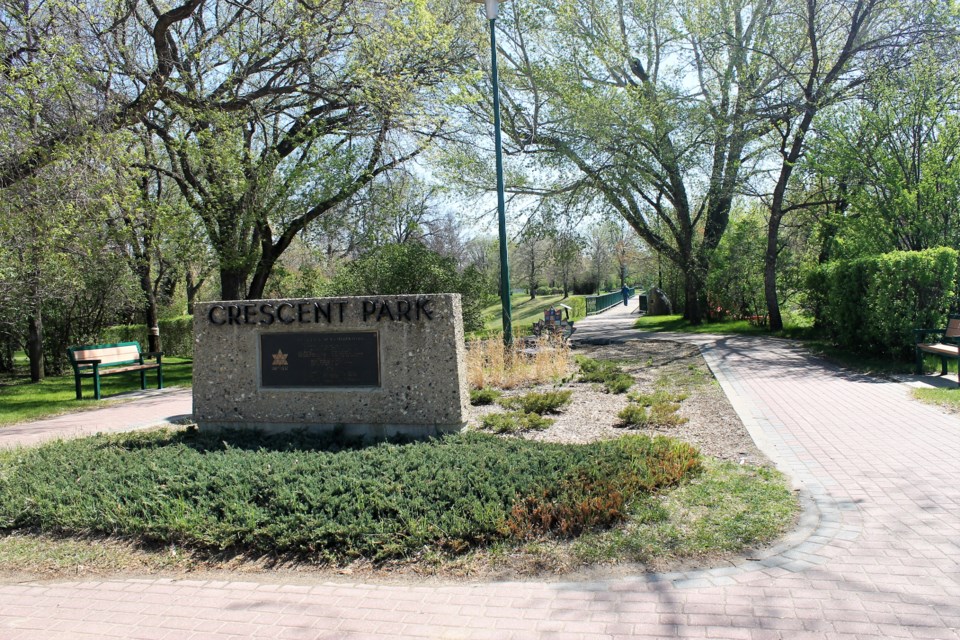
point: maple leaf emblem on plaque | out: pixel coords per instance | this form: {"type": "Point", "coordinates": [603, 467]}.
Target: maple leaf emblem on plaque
{"type": "Point", "coordinates": [280, 358]}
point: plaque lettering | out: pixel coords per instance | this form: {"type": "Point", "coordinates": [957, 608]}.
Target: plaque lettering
{"type": "Point", "coordinates": [315, 360]}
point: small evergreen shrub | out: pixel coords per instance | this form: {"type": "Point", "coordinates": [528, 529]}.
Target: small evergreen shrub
{"type": "Point", "coordinates": [515, 422]}
{"type": "Point", "coordinates": [539, 402]}
{"type": "Point", "coordinates": [485, 396]}
{"type": "Point", "coordinates": [657, 409]}
{"type": "Point", "coordinates": [633, 415]}
{"type": "Point", "coordinates": [608, 373]}
{"type": "Point", "coordinates": [665, 414]}
{"type": "Point", "coordinates": [657, 397]}
{"type": "Point", "coordinates": [618, 383]}
{"type": "Point", "coordinates": [595, 370]}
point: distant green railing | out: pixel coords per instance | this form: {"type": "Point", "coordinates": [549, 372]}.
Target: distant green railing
{"type": "Point", "coordinates": [596, 304]}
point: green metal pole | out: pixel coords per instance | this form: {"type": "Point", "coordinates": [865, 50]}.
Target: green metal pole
{"type": "Point", "coordinates": [501, 206]}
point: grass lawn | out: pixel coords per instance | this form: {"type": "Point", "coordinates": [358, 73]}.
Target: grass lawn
{"type": "Point", "coordinates": [524, 311]}
{"type": "Point", "coordinates": [321, 501]}
{"type": "Point", "coordinates": [21, 400]}
{"type": "Point", "coordinates": [949, 398]}
{"type": "Point", "coordinates": [796, 330]}
{"type": "Point", "coordinates": [727, 327]}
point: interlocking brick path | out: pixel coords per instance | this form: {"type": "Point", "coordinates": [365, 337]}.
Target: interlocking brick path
{"type": "Point", "coordinates": [875, 554]}
{"type": "Point", "coordinates": [122, 412]}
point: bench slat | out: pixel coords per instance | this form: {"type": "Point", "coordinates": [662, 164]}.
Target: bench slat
{"type": "Point", "coordinates": [109, 355]}
{"type": "Point", "coordinates": [941, 349]}
{"type": "Point", "coordinates": [953, 328]}
{"type": "Point", "coordinates": [88, 371]}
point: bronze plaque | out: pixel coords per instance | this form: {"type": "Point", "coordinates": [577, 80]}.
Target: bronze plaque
{"type": "Point", "coordinates": [312, 360]}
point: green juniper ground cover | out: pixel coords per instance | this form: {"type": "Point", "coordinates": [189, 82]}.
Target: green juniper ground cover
{"type": "Point", "coordinates": [315, 499]}
{"type": "Point", "coordinates": [305, 495]}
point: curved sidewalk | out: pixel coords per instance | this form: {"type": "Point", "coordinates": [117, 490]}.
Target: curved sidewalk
{"type": "Point", "coordinates": [122, 412]}
{"type": "Point", "coordinates": [876, 555]}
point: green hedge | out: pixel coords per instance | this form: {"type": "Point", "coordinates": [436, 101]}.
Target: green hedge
{"type": "Point", "coordinates": [396, 269]}
{"type": "Point", "coordinates": [873, 304]}
{"type": "Point", "coordinates": [176, 335]}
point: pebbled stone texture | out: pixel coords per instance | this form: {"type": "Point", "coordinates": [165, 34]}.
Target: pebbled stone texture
{"type": "Point", "coordinates": [422, 388]}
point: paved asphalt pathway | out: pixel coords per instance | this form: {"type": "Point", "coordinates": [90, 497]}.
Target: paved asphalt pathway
{"type": "Point", "coordinates": [875, 554]}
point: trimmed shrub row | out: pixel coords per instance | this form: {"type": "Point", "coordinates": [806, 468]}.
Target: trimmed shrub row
{"type": "Point", "coordinates": [873, 304]}
{"type": "Point", "coordinates": [176, 335]}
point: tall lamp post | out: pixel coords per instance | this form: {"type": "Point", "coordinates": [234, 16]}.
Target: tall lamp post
{"type": "Point", "coordinates": [492, 7]}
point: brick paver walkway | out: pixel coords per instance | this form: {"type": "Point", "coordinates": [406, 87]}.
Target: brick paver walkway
{"type": "Point", "coordinates": [125, 412]}
{"type": "Point", "coordinates": [875, 556]}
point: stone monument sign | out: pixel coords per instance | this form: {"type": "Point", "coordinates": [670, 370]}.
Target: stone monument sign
{"type": "Point", "coordinates": [373, 366]}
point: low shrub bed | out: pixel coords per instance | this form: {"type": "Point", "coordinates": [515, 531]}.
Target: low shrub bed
{"type": "Point", "coordinates": [540, 402]}
{"type": "Point", "coordinates": [515, 422]}
{"type": "Point", "coordinates": [613, 378]}
{"type": "Point", "coordinates": [657, 409]}
{"type": "Point", "coordinates": [310, 496]}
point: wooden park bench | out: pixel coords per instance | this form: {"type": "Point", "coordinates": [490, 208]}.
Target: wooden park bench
{"type": "Point", "coordinates": [93, 361]}
{"type": "Point", "coordinates": [947, 347]}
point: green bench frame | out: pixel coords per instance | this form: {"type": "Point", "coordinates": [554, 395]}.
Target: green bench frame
{"type": "Point", "coordinates": [96, 360]}
{"type": "Point", "coordinates": [946, 348]}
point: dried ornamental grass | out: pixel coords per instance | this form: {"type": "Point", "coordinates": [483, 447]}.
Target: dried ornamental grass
{"type": "Point", "coordinates": [491, 364]}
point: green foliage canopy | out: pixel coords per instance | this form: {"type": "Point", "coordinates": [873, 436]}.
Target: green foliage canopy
{"type": "Point", "coordinates": [396, 269]}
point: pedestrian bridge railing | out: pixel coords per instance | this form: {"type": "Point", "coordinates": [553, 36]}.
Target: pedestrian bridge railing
{"type": "Point", "coordinates": [596, 304]}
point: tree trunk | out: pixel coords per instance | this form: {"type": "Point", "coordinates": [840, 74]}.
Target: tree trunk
{"type": "Point", "coordinates": [35, 346]}
{"type": "Point", "coordinates": [192, 288]}
{"type": "Point", "coordinates": [774, 318]}
{"type": "Point", "coordinates": [150, 312]}
{"type": "Point", "coordinates": [7, 359]}
{"type": "Point", "coordinates": [790, 159]}
{"type": "Point", "coordinates": [153, 327]}
{"type": "Point", "coordinates": [232, 284]}
{"type": "Point", "coordinates": [692, 311]}
{"type": "Point", "coordinates": [259, 281]}
{"type": "Point", "coordinates": [692, 267]}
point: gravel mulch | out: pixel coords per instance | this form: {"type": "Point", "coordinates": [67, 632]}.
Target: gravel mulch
{"type": "Point", "coordinates": [712, 424]}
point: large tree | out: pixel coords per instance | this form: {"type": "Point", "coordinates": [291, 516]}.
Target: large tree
{"type": "Point", "coordinates": [290, 111]}
{"type": "Point", "coordinates": [63, 277]}
{"type": "Point", "coordinates": [70, 70]}
{"type": "Point", "coordinates": [152, 228]}
{"type": "Point", "coordinates": [843, 45]}
{"type": "Point", "coordinates": [896, 153]}
{"type": "Point", "coordinates": [651, 109]}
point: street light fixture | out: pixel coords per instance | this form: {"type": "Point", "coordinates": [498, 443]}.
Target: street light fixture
{"type": "Point", "coordinates": [492, 6]}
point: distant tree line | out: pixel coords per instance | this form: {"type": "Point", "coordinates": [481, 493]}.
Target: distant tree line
{"type": "Point", "coordinates": [722, 149]}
